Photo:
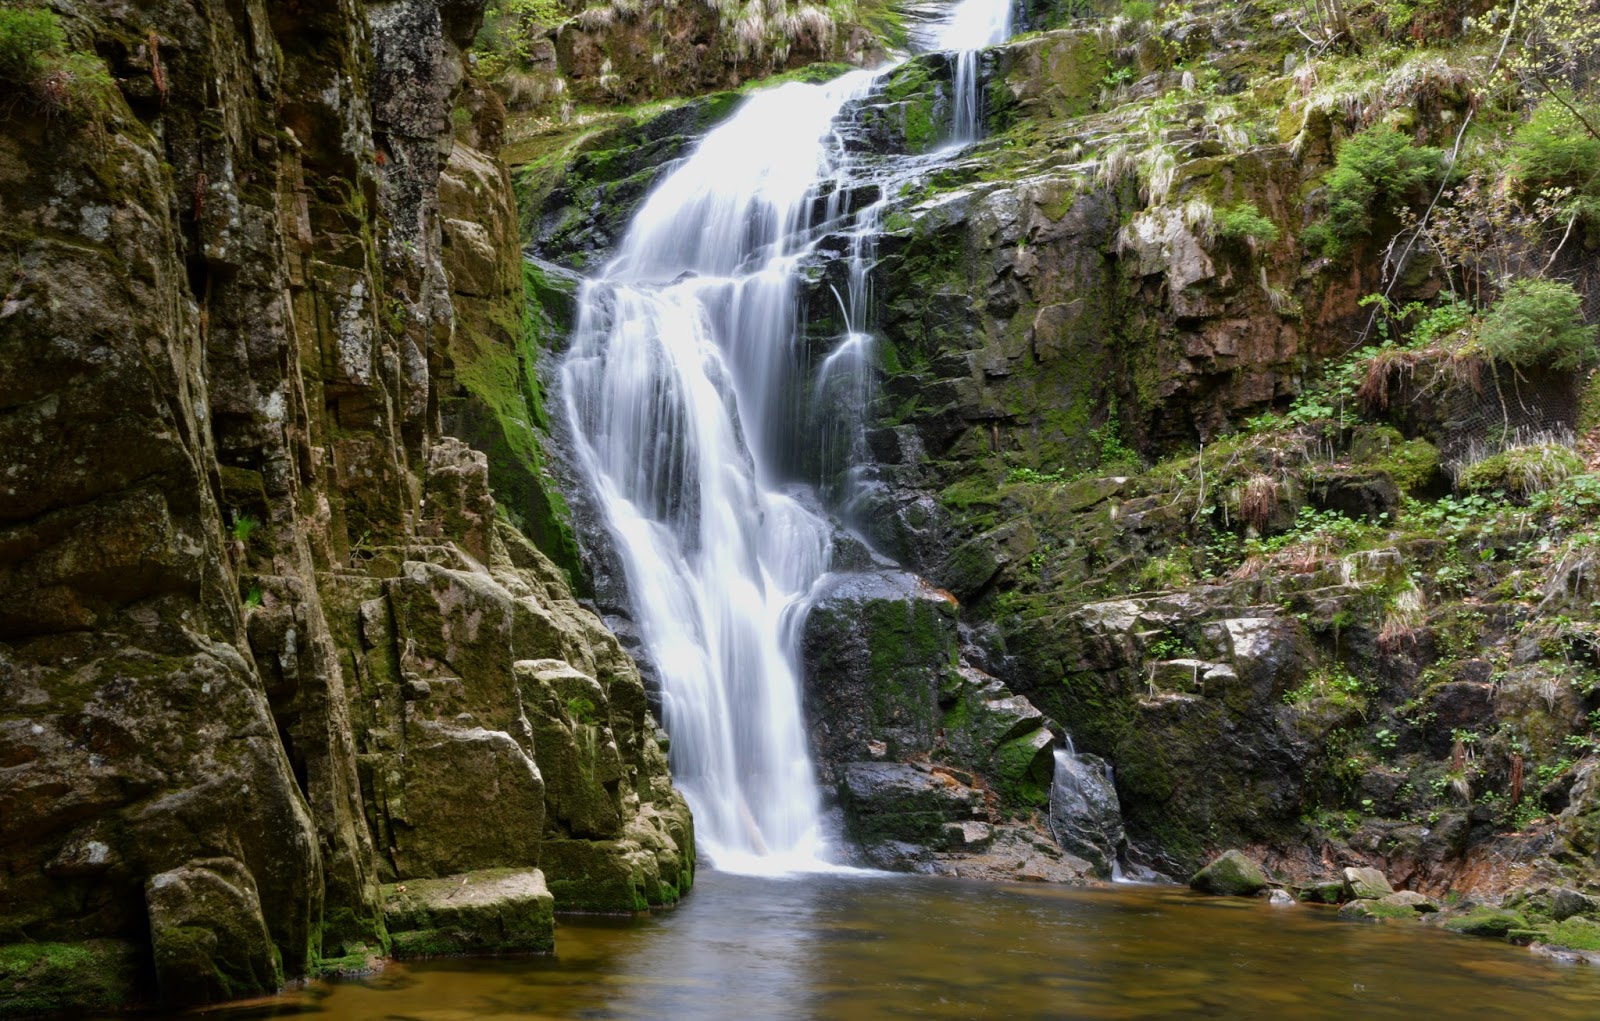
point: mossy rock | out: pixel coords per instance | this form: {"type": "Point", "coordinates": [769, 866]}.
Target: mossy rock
{"type": "Point", "coordinates": [1570, 934]}
{"type": "Point", "coordinates": [604, 876]}
{"type": "Point", "coordinates": [1331, 892]}
{"type": "Point", "coordinates": [1490, 922]}
{"type": "Point", "coordinates": [1413, 464]}
{"type": "Point", "coordinates": [1376, 911]}
{"type": "Point", "coordinates": [69, 978]}
{"type": "Point", "coordinates": [1522, 471]}
{"type": "Point", "coordinates": [1367, 883]}
{"type": "Point", "coordinates": [1022, 769]}
{"type": "Point", "coordinates": [1230, 875]}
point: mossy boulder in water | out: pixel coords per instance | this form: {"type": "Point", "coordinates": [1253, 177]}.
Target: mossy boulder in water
{"type": "Point", "coordinates": [877, 649]}
{"type": "Point", "coordinates": [899, 802]}
{"type": "Point", "coordinates": [491, 911]}
{"type": "Point", "coordinates": [1230, 875]}
{"type": "Point", "coordinates": [1489, 922]}
{"type": "Point", "coordinates": [210, 939]}
{"type": "Point", "coordinates": [608, 877]}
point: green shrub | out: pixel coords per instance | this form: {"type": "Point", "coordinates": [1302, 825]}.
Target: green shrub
{"type": "Point", "coordinates": [1242, 223]}
{"type": "Point", "coordinates": [1522, 471]}
{"type": "Point", "coordinates": [27, 36]}
{"type": "Point", "coordinates": [1537, 322]}
{"type": "Point", "coordinates": [1441, 321]}
{"type": "Point", "coordinates": [1554, 150]}
{"type": "Point", "coordinates": [1376, 167]}
{"type": "Point", "coordinates": [54, 80]}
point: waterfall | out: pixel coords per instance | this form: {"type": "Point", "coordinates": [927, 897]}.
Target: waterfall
{"type": "Point", "coordinates": [686, 389]}
{"type": "Point", "coordinates": [1084, 814]}
{"type": "Point", "coordinates": [974, 25]}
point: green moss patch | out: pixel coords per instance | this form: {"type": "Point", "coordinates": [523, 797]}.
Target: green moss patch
{"type": "Point", "coordinates": [1489, 922]}
{"type": "Point", "coordinates": [58, 978]}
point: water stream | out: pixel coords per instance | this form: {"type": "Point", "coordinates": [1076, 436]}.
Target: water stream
{"type": "Point", "coordinates": [687, 387]}
{"type": "Point", "coordinates": [821, 948]}
{"type": "Point", "coordinates": [974, 25]}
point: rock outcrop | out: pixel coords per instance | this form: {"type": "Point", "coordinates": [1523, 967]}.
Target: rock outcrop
{"type": "Point", "coordinates": [936, 766]}
{"type": "Point", "coordinates": [267, 640]}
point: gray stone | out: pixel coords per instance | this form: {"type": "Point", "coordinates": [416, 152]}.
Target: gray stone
{"type": "Point", "coordinates": [1367, 883]}
{"type": "Point", "coordinates": [210, 939]}
{"type": "Point", "coordinates": [1231, 874]}
{"type": "Point", "coordinates": [893, 801]}
{"type": "Point", "coordinates": [491, 911]}
{"type": "Point", "coordinates": [1565, 903]}
{"type": "Point", "coordinates": [1421, 903]}
{"type": "Point", "coordinates": [876, 649]}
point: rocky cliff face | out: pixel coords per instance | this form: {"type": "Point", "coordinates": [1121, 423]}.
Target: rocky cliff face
{"type": "Point", "coordinates": [1274, 553]}
{"type": "Point", "coordinates": [1122, 422]}
{"type": "Point", "coordinates": [271, 653]}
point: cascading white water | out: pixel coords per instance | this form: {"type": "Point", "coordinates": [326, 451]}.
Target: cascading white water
{"type": "Point", "coordinates": [683, 351]}
{"type": "Point", "coordinates": [974, 25]}
{"type": "Point", "coordinates": [681, 387]}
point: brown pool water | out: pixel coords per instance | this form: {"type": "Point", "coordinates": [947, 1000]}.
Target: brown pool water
{"type": "Point", "coordinates": [835, 947]}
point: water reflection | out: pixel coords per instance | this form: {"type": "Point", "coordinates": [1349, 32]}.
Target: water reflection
{"type": "Point", "coordinates": [858, 948]}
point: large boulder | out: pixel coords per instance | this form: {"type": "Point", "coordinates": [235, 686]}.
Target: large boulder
{"type": "Point", "coordinates": [1231, 874]}
{"type": "Point", "coordinates": [877, 648]}
{"type": "Point", "coordinates": [1364, 883]}
{"type": "Point", "coordinates": [209, 936]}
{"type": "Point", "coordinates": [1085, 816]}
{"type": "Point", "coordinates": [897, 802]}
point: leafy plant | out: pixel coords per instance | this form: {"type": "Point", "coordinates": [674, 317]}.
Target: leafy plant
{"type": "Point", "coordinates": [27, 36]}
{"type": "Point", "coordinates": [1170, 647]}
{"type": "Point", "coordinates": [243, 527]}
{"type": "Point", "coordinates": [581, 710]}
{"type": "Point", "coordinates": [1376, 166]}
{"type": "Point", "coordinates": [1334, 684]}
{"type": "Point", "coordinates": [35, 59]}
{"type": "Point", "coordinates": [1538, 322]}
{"type": "Point", "coordinates": [1554, 150]}
{"type": "Point", "coordinates": [1243, 223]}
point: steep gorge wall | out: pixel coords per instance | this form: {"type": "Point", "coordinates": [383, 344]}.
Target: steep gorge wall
{"type": "Point", "coordinates": [271, 656]}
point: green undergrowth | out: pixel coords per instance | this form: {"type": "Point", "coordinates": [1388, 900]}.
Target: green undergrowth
{"type": "Point", "coordinates": [44, 74]}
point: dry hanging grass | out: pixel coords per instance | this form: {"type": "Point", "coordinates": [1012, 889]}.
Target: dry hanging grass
{"type": "Point", "coordinates": [1258, 499]}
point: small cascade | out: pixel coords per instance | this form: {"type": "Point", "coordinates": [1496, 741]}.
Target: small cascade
{"type": "Point", "coordinates": [1084, 815]}
{"type": "Point", "coordinates": [974, 25]}
{"type": "Point", "coordinates": [842, 387]}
